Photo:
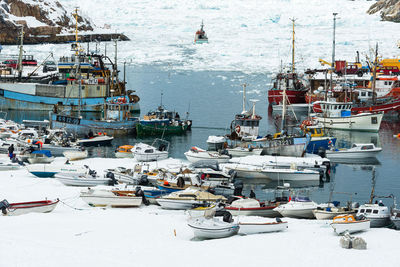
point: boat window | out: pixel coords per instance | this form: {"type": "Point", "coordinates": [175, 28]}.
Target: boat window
{"type": "Point", "coordinates": [83, 87]}
{"type": "Point", "coordinates": [319, 131]}
{"type": "Point", "coordinates": [362, 210]}
{"type": "Point", "coordinates": [375, 212]}
{"type": "Point", "coordinates": [386, 83]}
{"type": "Point", "coordinates": [374, 120]}
{"type": "Point", "coordinates": [368, 211]}
{"type": "Point", "coordinates": [98, 88]}
{"type": "Point", "coordinates": [149, 151]}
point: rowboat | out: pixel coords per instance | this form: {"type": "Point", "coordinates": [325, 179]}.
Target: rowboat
{"type": "Point", "coordinates": [75, 154]}
{"type": "Point", "coordinates": [84, 180]}
{"type": "Point", "coordinates": [347, 223]}
{"type": "Point", "coordinates": [329, 213]}
{"type": "Point", "coordinates": [205, 228]}
{"type": "Point", "coordinates": [12, 209]}
{"type": "Point", "coordinates": [103, 198]}
{"type": "Point", "coordinates": [252, 226]}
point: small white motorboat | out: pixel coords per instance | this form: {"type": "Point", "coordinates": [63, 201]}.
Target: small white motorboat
{"type": "Point", "coordinates": [49, 170]}
{"type": "Point", "coordinates": [40, 156]}
{"type": "Point", "coordinates": [124, 151]}
{"type": "Point", "coordinates": [255, 225]}
{"type": "Point", "coordinates": [98, 140]}
{"type": "Point", "coordinates": [347, 223]}
{"type": "Point", "coordinates": [299, 207]}
{"type": "Point", "coordinates": [104, 198]}
{"type": "Point", "coordinates": [210, 228]}
{"type": "Point", "coordinates": [357, 151]}
{"type": "Point", "coordinates": [377, 213]}
{"type": "Point", "coordinates": [186, 199]}
{"type": "Point", "coordinates": [13, 209]}
{"type": "Point", "coordinates": [253, 207]}
{"type": "Point", "coordinates": [76, 154]}
{"type": "Point", "coordinates": [243, 151]}
{"type": "Point", "coordinates": [196, 154]}
{"type": "Point", "coordinates": [89, 179]}
{"type": "Point", "coordinates": [157, 151]}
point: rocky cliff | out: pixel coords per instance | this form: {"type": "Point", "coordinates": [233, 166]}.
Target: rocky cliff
{"type": "Point", "coordinates": [389, 9]}
{"type": "Point", "coordinates": [42, 20]}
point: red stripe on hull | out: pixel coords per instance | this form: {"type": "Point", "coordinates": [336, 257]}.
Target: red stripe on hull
{"type": "Point", "coordinates": [295, 97]}
{"type": "Point", "coordinates": [394, 106]}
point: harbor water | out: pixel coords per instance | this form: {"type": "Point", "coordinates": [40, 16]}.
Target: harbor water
{"type": "Point", "coordinates": [212, 98]}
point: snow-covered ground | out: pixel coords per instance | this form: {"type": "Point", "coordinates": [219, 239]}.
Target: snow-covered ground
{"type": "Point", "coordinates": [144, 236]}
{"type": "Point", "coordinates": [250, 36]}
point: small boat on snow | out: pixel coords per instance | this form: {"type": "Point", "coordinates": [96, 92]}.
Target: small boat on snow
{"type": "Point", "coordinates": [12, 209]}
{"type": "Point", "coordinates": [253, 207]}
{"type": "Point", "coordinates": [377, 213]}
{"type": "Point", "coordinates": [103, 198]}
{"type": "Point", "coordinates": [76, 154]}
{"type": "Point", "coordinates": [299, 207]}
{"type": "Point", "coordinates": [250, 226]}
{"type": "Point", "coordinates": [395, 218]}
{"type": "Point", "coordinates": [40, 156]}
{"type": "Point", "coordinates": [49, 170]}
{"type": "Point", "coordinates": [348, 223]}
{"type": "Point", "coordinates": [89, 179]}
{"type": "Point", "coordinates": [211, 228]}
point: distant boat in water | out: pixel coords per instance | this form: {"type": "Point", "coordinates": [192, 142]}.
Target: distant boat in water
{"type": "Point", "coordinates": [200, 37]}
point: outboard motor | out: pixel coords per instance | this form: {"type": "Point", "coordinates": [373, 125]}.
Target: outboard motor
{"type": "Point", "coordinates": [227, 217]}
{"type": "Point", "coordinates": [3, 206]}
{"type": "Point", "coordinates": [322, 152]}
{"type": "Point", "coordinates": [355, 205]}
{"type": "Point", "coordinates": [278, 220]}
{"type": "Point", "coordinates": [92, 173]}
{"type": "Point", "coordinates": [238, 188]}
{"type": "Point", "coordinates": [112, 181]}
{"type": "Point", "coordinates": [139, 193]}
{"type": "Point", "coordinates": [180, 183]}
{"type": "Point", "coordinates": [143, 180]}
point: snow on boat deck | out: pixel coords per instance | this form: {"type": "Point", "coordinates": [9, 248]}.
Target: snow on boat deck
{"type": "Point", "coordinates": [144, 236]}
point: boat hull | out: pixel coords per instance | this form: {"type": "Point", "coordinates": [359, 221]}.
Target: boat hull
{"type": "Point", "coordinates": [275, 96]}
{"type": "Point", "coordinates": [351, 227]}
{"type": "Point", "coordinates": [143, 157]}
{"type": "Point", "coordinates": [343, 154]}
{"type": "Point", "coordinates": [329, 215]}
{"type": "Point", "coordinates": [171, 204]}
{"type": "Point", "coordinates": [361, 122]}
{"type": "Point", "coordinates": [85, 182]}
{"type": "Point", "coordinates": [262, 211]}
{"type": "Point", "coordinates": [257, 228]}
{"type": "Point", "coordinates": [112, 201]}
{"type": "Point", "coordinates": [195, 157]}
{"type": "Point", "coordinates": [27, 207]}
{"type": "Point", "coordinates": [160, 130]}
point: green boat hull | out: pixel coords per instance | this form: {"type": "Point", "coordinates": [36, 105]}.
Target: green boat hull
{"type": "Point", "coordinates": [159, 130]}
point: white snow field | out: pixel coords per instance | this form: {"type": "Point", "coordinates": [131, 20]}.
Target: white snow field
{"type": "Point", "coordinates": [249, 36]}
{"type": "Point", "coordinates": [144, 236]}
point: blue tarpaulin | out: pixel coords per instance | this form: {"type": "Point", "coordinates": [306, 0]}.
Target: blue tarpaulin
{"type": "Point", "coordinates": [44, 152]}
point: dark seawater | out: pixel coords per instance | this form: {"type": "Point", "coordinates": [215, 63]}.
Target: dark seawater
{"type": "Point", "coordinates": [213, 98]}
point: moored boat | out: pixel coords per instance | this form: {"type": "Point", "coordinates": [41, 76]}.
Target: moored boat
{"type": "Point", "coordinates": [12, 209]}
{"type": "Point", "coordinates": [348, 223]}
{"type": "Point", "coordinates": [377, 213]}
{"type": "Point", "coordinates": [253, 207]}
{"type": "Point", "coordinates": [97, 140]}
{"type": "Point", "coordinates": [124, 151]}
{"type": "Point", "coordinates": [104, 198]}
{"type": "Point", "coordinates": [200, 37]}
{"type": "Point", "coordinates": [158, 150]}
{"type": "Point", "coordinates": [40, 156]}
{"type": "Point", "coordinates": [211, 228]}
{"type": "Point", "coordinates": [248, 226]}
{"type": "Point", "coordinates": [299, 207]}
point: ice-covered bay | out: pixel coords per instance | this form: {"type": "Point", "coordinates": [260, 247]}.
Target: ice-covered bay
{"type": "Point", "coordinates": [250, 36]}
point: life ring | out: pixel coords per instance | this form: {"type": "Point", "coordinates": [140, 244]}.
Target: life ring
{"type": "Point", "coordinates": [237, 129]}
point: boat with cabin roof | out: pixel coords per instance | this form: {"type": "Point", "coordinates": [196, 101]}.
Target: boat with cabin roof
{"type": "Point", "coordinates": [200, 37]}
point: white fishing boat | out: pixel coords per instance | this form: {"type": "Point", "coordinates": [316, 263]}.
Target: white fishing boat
{"type": "Point", "coordinates": [357, 151]}
{"type": "Point", "coordinates": [272, 173]}
{"type": "Point", "coordinates": [40, 156]}
{"type": "Point", "coordinates": [49, 170]}
{"type": "Point", "coordinates": [157, 151]}
{"type": "Point", "coordinates": [299, 207]}
{"type": "Point", "coordinates": [76, 154]}
{"type": "Point", "coordinates": [13, 209]}
{"type": "Point", "coordinates": [377, 213]}
{"type": "Point", "coordinates": [329, 213]}
{"type": "Point", "coordinates": [255, 225]}
{"type": "Point", "coordinates": [186, 199]}
{"type": "Point", "coordinates": [347, 223]}
{"type": "Point", "coordinates": [104, 198]}
{"type": "Point", "coordinates": [211, 228]}
{"type": "Point", "coordinates": [196, 154]}
{"type": "Point", "coordinates": [370, 122]}
{"type": "Point", "coordinates": [89, 179]}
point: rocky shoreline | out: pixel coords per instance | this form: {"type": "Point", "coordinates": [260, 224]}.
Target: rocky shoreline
{"type": "Point", "coordinates": [389, 10]}
{"type": "Point", "coordinates": [59, 39]}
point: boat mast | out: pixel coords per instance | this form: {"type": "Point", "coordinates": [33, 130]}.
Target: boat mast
{"type": "Point", "coordinates": [77, 50]}
{"type": "Point", "coordinates": [244, 98]}
{"type": "Point", "coordinates": [333, 54]}
{"type": "Point", "coordinates": [371, 198]}
{"type": "Point", "coordinates": [293, 67]}
{"type": "Point", "coordinates": [21, 50]}
{"type": "Point", "coordinates": [374, 76]}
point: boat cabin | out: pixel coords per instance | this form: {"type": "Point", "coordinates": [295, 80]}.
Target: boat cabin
{"type": "Point", "coordinates": [216, 143]}
{"type": "Point", "coordinates": [344, 219]}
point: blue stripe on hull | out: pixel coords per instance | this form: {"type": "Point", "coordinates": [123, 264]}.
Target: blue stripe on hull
{"type": "Point", "coordinates": [44, 174]}
{"type": "Point", "coordinates": [19, 101]}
